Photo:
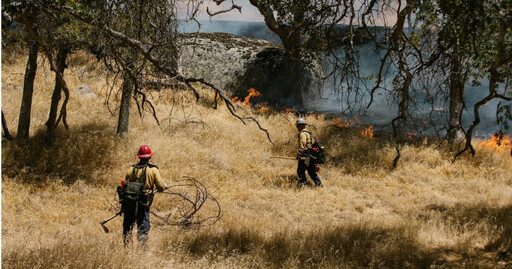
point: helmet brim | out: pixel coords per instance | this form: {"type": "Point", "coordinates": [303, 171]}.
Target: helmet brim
{"type": "Point", "coordinates": [145, 156]}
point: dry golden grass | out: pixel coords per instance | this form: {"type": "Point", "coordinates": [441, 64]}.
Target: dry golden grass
{"type": "Point", "coordinates": [428, 212]}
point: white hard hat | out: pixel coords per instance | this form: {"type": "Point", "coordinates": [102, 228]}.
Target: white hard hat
{"type": "Point", "coordinates": [300, 121]}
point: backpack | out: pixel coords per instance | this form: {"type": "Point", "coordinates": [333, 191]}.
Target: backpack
{"type": "Point", "coordinates": [317, 151]}
{"type": "Point", "coordinates": [134, 192]}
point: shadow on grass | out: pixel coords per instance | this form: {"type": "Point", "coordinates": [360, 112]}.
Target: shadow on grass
{"type": "Point", "coordinates": [465, 217]}
{"type": "Point", "coordinates": [337, 247]}
{"type": "Point", "coordinates": [77, 153]}
{"type": "Point", "coordinates": [360, 246]}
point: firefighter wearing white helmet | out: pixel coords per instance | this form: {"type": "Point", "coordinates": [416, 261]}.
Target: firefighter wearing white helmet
{"type": "Point", "coordinates": [306, 140]}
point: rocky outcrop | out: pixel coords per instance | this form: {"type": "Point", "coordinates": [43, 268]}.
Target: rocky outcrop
{"type": "Point", "coordinates": [238, 63]}
{"type": "Point", "coordinates": [218, 56]}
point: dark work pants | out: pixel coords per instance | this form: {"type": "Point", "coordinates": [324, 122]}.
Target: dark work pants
{"type": "Point", "coordinates": [301, 172]}
{"type": "Point", "coordinates": [142, 220]}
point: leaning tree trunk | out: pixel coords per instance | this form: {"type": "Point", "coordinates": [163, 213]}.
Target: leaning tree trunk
{"type": "Point", "coordinates": [62, 55]}
{"type": "Point", "coordinates": [28, 90]}
{"type": "Point", "coordinates": [124, 109]}
{"type": "Point", "coordinates": [456, 97]}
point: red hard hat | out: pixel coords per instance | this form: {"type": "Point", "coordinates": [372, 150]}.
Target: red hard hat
{"type": "Point", "coordinates": [144, 152]}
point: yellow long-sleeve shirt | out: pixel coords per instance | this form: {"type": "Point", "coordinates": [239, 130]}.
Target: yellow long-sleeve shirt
{"type": "Point", "coordinates": [305, 140]}
{"type": "Point", "coordinates": [153, 178]}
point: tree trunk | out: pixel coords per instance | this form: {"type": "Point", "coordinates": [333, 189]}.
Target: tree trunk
{"type": "Point", "coordinates": [6, 134]}
{"type": "Point", "coordinates": [293, 72]}
{"type": "Point", "coordinates": [456, 97]}
{"type": "Point", "coordinates": [28, 90]}
{"type": "Point", "coordinates": [124, 109]}
{"type": "Point", "coordinates": [62, 55]}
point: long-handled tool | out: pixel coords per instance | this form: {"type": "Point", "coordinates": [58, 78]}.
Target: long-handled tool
{"type": "Point", "coordinates": [107, 220]}
{"type": "Point", "coordinates": [283, 157]}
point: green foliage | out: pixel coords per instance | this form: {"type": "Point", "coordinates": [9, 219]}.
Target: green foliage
{"type": "Point", "coordinates": [504, 115]}
{"type": "Point", "coordinates": [453, 44]}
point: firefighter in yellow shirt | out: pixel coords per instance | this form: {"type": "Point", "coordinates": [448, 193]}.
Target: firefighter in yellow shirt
{"type": "Point", "coordinates": [138, 191]}
{"type": "Point", "coordinates": [306, 139]}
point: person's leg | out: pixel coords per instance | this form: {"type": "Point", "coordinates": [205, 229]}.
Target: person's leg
{"type": "Point", "coordinates": [143, 225]}
{"type": "Point", "coordinates": [312, 173]}
{"type": "Point", "coordinates": [128, 222]}
{"type": "Point", "coordinates": [301, 173]}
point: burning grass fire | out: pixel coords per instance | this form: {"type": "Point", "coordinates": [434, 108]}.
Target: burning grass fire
{"type": "Point", "coordinates": [288, 110]}
{"type": "Point", "coordinates": [263, 109]}
{"type": "Point", "coordinates": [260, 108]}
{"type": "Point", "coordinates": [499, 141]}
{"type": "Point", "coordinates": [368, 132]}
{"type": "Point", "coordinates": [340, 122]}
{"type": "Point", "coordinates": [247, 100]}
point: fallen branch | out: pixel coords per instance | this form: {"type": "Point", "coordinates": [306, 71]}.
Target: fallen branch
{"type": "Point", "coordinates": [192, 197]}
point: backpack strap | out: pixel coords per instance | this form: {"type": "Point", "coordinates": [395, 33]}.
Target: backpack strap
{"type": "Point", "coordinates": [136, 168]}
{"type": "Point", "coordinates": [313, 138]}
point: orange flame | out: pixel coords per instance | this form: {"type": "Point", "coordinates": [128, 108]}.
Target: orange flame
{"type": "Point", "coordinates": [288, 110]}
{"type": "Point", "coordinates": [498, 141]}
{"type": "Point", "coordinates": [263, 109]}
{"type": "Point", "coordinates": [367, 132]}
{"type": "Point", "coordinates": [247, 100]}
{"type": "Point", "coordinates": [340, 122]}
{"type": "Point", "coordinates": [252, 93]}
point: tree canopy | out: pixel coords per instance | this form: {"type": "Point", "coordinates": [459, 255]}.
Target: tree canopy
{"type": "Point", "coordinates": [429, 52]}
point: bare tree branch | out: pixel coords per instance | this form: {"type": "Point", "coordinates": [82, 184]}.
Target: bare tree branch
{"type": "Point", "coordinates": [218, 2]}
{"type": "Point", "coordinates": [144, 49]}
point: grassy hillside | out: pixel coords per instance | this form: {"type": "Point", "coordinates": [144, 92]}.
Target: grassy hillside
{"type": "Point", "coordinates": [428, 212]}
